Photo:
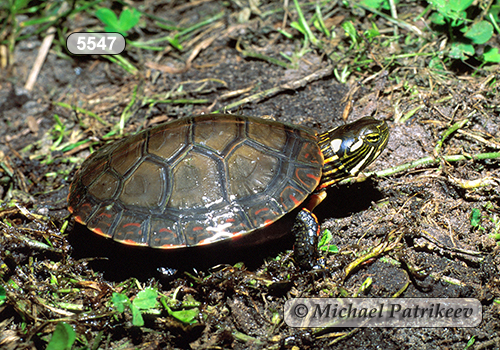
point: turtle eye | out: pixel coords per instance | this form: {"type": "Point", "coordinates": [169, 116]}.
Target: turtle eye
{"type": "Point", "coordinates": [373, 138]}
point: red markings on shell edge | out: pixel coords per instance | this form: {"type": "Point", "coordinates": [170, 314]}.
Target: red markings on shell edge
{"type": "Point", "coordinates": [295, 200]}
{"type": "Point", "coordinates": [78, 218]}
{"type": "Point", "coordinates": [257, 212]}
{"type": "Point", "coordinates": [311, 176]}
{"type": "Point", "coordinates": [171, 246]}
{"type": "Point", "coordinates": [105, 215]}
{"type": "Point", "coordinates": [210, 240]}
{"type": "Point", "coordinates": [99, 232]}
{"type": "Point", "coordinates": [304, 176]}
{"type": "Point", "coordinates": [165, 230]}
{"type": "Point", "coordinates": [131, 242]}
{"type": "Point", "coordinates": [310, 158]}
{"type": "Point", "coordinates": [134, 224]}
{"type": "Point", "coordinates": [205, 242]}
{"type": "Point", "coordinates": [268, 222]}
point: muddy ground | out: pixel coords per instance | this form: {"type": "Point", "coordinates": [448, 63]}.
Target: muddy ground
{"type": "Point", "coordinates": [418, 217]}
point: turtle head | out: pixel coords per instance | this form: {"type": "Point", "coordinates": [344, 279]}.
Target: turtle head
{"type": "Point", "coordinates": [350, 148]}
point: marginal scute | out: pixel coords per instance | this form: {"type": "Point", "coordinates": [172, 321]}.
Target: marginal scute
{"type": "Point", "coordinates": [102, 220]}
{"type": "Point", "coordinates": [291, 197]}
{"type": "Point", "coordinates": [310, 153]}
{"type": "Point", "coordinates": [260, 215]}
{"type": "Point", "coordinates": [81, 212]}
{"type": "Point", "coordinates": [307, 177]}
{"type": "Point", "coordinates": [165, 234]}
{"type": "Point", "coordinates": [194, 231]}
{"type": "Point", "coordinates": [250, 171]}
{"type": "Point", "coordinates": [104, 187]}
{"type": "Point", "coordinates": [272, 135]}
{"type": "Point", "coordinates": [196, 183]}
{"type": "Point", "coordinates": [144, 187]}
{"type": "Point", "coordinates": [129, 230]}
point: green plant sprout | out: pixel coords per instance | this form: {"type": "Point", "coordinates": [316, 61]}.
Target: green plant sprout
{"type": "Point", "coordinates": [324, 243]}
{"type": "Point", "coordinates": [189, 309]}
{"type": "Point", "coordinates": [128, 19]}
{"type": "Point", "coordinates": [146, 300]}
{"type": "Point", "coordinates": [465, 33]}
{"type": "Point", "coordinates": [465, 23]}
{"type": "Point", "coordinates": [63, 337]}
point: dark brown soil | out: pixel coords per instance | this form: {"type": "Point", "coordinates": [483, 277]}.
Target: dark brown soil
{"type": "Point", "coordinates": [422, 213]}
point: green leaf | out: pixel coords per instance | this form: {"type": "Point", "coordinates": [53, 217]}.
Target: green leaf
{"type": "Point", "coordinates": [471, 342]}
{"type": "Point", "coordinates": [3, 295]}
{"type": "Point", "coordinates": [387, 6]}
{"type": "Point", "coordinates": [63, 337]}
{"type": "Point", "coordinates": [366, 284]}
{"type": "Point", "coordinates": [107, 17]}
{"type": "Point", "coordinates": [372, 33]}
{"type": "Point", "coordinates": [490, 54]}
{"type": "Point", "coordinates": [324, 243]}
{"type": "Point", "coordinates": [128, 19]}
{"type": "Point", "coordinates": [303, 24]}
{"type": "Point", "coordinates": [452, 9]}
{"type": "Point", "coordinates": [186, 316]}
{"type": "Point", "coordinates": [146, 299]}
{"type": "Point", "coordinates": [374, 4]}
{"type": "Point", "coordinates": [459, 5]}
{"type": "Point", "coordinates": [461, 51]}
{"type": "Point", "coordinates": [480, 33]}
{"type": "Point", "coordinates": [475, 217]}
{"type": "Point", "coordinates": [351, 31]}
{"type": "Point", "coordinates": [18, 5]}
{"type": "Point", "coordinates": [437, 18]}
{"type": "Point", "coordinates": [120, 301]}
{"type": "Point", "coordinates": [319, 23]}
{"type": "Point", "coordinates": [297, 26]}
{"type": "Point", "coordinates": [436, 64]}
{"type": "Point", "coordinates": [495, 10]}
{"type": "Point", "coordinates": [325, 238]}
{"type": "Point", "coordinates": [137, 319]}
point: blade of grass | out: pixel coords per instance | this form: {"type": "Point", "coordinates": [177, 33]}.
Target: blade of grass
{"type": "Point", "coordinates": [83, 111]}
{"type": "Point", "coordinates": [305, 26]}
{"type": "Point", "coordinates": [122, 62]}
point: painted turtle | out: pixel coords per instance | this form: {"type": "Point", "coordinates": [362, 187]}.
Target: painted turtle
{"type": "Point", "coordinates": [209, 178]}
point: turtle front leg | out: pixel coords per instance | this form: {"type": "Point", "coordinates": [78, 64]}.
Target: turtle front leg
{"type": "Point", "coordinates": [306, 231]}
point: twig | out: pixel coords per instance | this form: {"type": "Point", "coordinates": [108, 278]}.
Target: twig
{"type": "Point", "coordinates": [42, 53]}
{"type": "Point", "coordinates": [429, 161]}
{"type": "Point", "coordinates": [319, 74]}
